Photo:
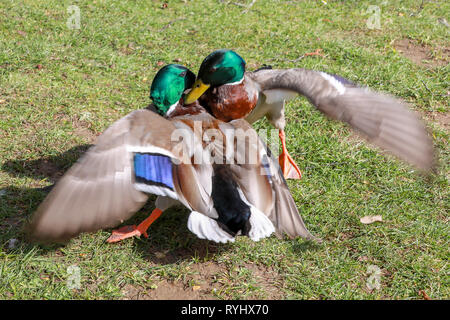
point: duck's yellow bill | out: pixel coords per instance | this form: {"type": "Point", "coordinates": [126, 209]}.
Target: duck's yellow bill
{"type": "Point", "coordinates": [197, 90]}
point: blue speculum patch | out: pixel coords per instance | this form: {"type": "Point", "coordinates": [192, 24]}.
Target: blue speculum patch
{"type": "Point", "coordinates": [153, 169]}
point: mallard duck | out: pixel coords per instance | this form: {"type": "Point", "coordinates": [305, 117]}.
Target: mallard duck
{"type": "Point", "coordinates": [228, 92]}
{"type": "Point", "coordinates": [169, 155]}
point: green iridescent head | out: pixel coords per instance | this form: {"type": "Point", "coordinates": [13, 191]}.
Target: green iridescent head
{"type": "Point", "coordinates": [219, 68]}
{"type": "Point", "coordinates": [222, 67]}
{"type": "Point", "coordinates": [168, 86]}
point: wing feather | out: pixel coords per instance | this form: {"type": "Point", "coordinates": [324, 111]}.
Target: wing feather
{"type": "Point", "coordinates": [97, 192]}
{"type": "Point", "coordinates": [265, 188]}
{"type": "Point", "coordinates": [385, 121]}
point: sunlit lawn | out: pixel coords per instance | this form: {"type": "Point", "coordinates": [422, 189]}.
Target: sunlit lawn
{"type": "Point", "coordinates": [61, 87]}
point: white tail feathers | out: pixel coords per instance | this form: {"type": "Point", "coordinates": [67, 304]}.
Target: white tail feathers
{"type": "Point", "coordinates": [207, 228]}
{"type": "Point", "coordinates": [261, 226]}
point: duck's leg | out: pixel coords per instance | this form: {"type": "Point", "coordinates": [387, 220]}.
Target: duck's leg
{"type": "Point", "coordinates": [131, 231]}
{"type": "Point", "coordinates": [288, 166]}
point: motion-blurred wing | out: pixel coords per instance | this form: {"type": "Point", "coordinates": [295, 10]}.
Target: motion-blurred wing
{"type": "Point", "coordinates": [383, 120]}
{"type": "Point", "coordinates": [99, 190]}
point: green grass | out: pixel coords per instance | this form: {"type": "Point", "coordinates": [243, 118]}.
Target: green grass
{"type": "Point", "coordinates": [90, 77]}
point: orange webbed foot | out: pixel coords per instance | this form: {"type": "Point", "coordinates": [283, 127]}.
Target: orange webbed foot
{"type": "Point", "coordinates": [124, 233]}
{"type": "Point", "coordinates": [289, 167]}
{"type": "Point", "coordinates": [133, 231]}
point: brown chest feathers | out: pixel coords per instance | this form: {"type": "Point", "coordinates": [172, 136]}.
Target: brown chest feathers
{"type": "Point", "coordinates": [229, 102]}
{"type": "Point", "coordinates": [191, 109]}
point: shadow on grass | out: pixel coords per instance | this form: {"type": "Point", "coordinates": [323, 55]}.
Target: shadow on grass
{"type": "Point", "coordinates": [300, 247]}
{"type": "Point", "coordinates": [17, 204]}
{"type": "Point", "coordinates": [51, 167]}
{"type": "Point", "coordinates": [169, 242]}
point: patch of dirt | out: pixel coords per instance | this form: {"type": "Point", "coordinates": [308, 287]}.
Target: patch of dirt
{"type": "Point", "coordinates": [269, 280]}
{"type": "Point", "coordinates": [421, 54]}
{"type": "Point", "coordinates": [202, 279]}
{"type": "Point", "coordinates": [198, 286]}
{"type": "Point", "coordinates": [82, 129]}
{"type": "Point", "coordinates": [442, 119]}
{"type": "Point", "coordinates": [165, 290]}
{"type": "Point", "coordinates": [178, 291]}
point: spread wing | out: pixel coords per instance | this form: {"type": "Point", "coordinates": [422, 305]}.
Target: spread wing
{"type": "Point", "coordinates": [383, 120]}
{"type": "Point", "coordinates": [98, 192]}
{"type": "Point", "coordinates": [264, 186]}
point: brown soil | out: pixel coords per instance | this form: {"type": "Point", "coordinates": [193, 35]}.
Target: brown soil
{"type": "Point", "coordinates": [201, 282]}
{"type": "Point", "coordinates": [442, 119]}
{"type": "Point", "coordinates": [82, 129]}
{"type": "Point", "coordinates": [421, 54]}
{"type": "Point", "coordinates": [198, 285]}
{"type": "Point", "coordinates": [164, 291]}
{"type": "Point", "coordinates": [269, 280]}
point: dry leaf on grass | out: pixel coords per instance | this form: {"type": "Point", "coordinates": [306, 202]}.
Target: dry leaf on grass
{"type": "Point", "coordinates": [371, 219]}
{"type": "Point", "coordinates": [424, 295]}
